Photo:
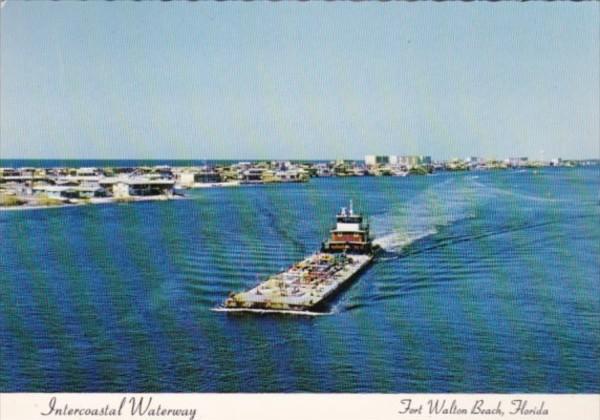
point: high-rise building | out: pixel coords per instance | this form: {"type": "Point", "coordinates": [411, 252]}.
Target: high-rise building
{"type": "Point", "coordinates": [372, 160]}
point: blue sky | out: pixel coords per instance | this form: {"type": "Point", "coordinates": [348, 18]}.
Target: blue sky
{"type": "Point", "coordinates": [298, 80]}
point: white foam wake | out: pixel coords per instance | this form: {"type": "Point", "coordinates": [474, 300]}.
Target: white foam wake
{"type": "Point", "coordinates": [397, 241]}
{"type": "Point", "coordinates": [496, 191]}
{"type": "Point", "coordinates": [422, 215]}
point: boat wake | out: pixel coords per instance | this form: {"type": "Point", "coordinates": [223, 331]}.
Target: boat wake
{"type": "Point", "coordinates": [451, 201]}
{"type": "Point", "coordinates": [397, 241]}
{"type": "Point", "coordinates": [420, 226]}
{"type": "Point", "coordinates": [466, 238]}
{"type": "Point", "coordinates": [422, 216]}
{"type": "Point", "coordinates": [494, 191]}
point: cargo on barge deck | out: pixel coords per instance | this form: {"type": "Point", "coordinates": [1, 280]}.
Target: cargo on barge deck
{"type": "Point", "coordinates": [303, 287]}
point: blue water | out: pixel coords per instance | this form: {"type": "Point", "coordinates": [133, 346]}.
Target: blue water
{"type": "Point", "coordinates": [490, 282]}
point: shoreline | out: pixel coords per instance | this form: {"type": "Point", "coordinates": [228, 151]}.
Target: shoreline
{"type": "Point", "coordinates": [96, 201]}
{"type": "Point", "coordinates": [230, 184]}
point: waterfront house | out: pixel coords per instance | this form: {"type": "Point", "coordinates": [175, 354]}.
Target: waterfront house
{"type": "Point", "coordinates": [62, 192]}
{"type": "Point", "coordinates": [252, 176]}
{"type": "Point", "coordinates": [125, 186]}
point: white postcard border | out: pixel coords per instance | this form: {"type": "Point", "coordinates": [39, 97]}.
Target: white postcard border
{"type": "Point", "coordinates": [134, 406]}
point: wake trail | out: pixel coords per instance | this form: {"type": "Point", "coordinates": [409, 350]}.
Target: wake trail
{"type": "Point", "coordinates": [495, 191]}
{"type": "Point", "coordinates": [451, 241]}
{"type": "Point", "coordinates": [439, 205]}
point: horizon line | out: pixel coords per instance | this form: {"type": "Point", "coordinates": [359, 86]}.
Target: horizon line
{"type": "Point", "coordinates": [293, 159]}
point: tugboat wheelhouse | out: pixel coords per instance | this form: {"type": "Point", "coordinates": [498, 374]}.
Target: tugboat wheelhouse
{"type": "Point", "coordinates": [350, 235]}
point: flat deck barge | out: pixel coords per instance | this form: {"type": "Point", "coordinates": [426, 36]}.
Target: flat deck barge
{"type": "Point", "coordinates": [306, 286]}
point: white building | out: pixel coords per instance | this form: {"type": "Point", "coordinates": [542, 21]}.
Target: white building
{"type": "Point", "coordinates": [186, 179]}
{"type": "Point", "coordinates": [120, 190]}
{"type": "Point", "coordinates": [372, 160]}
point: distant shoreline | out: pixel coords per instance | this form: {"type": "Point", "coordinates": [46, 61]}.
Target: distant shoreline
{"type": "Point", "coordinates": [47, 188]}
{"type": "Point", "coordinates": [92, 202]}
{"type": "Point", "coordinates": [72, 163]}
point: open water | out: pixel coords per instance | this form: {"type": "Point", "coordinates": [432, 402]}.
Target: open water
{"type": "Point", "coordinates": [490, 282]}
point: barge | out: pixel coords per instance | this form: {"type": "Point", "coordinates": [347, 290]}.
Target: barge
{"type": "Point", "coordinates": [306, 287]}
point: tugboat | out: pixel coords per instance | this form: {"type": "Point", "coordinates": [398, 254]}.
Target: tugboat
{"type": "Point", "coordinates": [350, 234]}
{"type": "Point", "coordinates": [306, 286]}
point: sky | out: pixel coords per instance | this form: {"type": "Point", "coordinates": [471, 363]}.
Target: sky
{"type": "Point", "coordinates": [306, 80]}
